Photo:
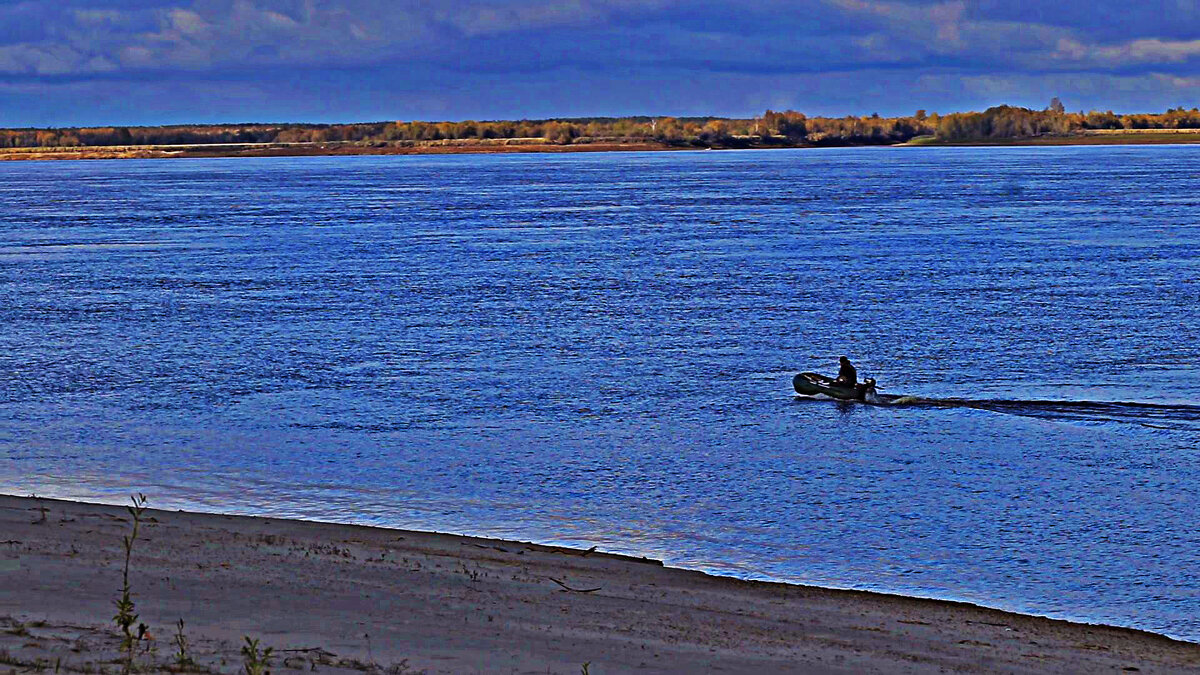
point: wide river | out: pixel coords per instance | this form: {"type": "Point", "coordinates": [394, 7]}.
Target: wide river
{"type": "Point", "coordinates": [598, 349]}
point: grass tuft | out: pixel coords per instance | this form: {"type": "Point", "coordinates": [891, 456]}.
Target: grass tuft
{"type": "Point", "coordinates": [126, 615]}
{"type": "Point", "coordinates": [254, 660]}
{"type": "Point", "coordinates": [182, 660]}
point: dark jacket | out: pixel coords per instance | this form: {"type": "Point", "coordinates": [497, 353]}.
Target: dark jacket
{"type": "Point", "coordinates": [847, 374]}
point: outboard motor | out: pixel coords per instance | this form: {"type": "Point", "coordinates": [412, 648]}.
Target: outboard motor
{"type": "Point", "coordinates": [868, 391]}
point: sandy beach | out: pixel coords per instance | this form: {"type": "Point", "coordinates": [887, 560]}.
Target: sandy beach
{"type": "Point", "coordinates": [335, 149]}
{"type": "Point", "coordinates": [338, 598]}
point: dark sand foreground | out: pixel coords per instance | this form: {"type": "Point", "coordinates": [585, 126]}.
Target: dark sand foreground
{"type": "Point", "coordinates": [337, 598]}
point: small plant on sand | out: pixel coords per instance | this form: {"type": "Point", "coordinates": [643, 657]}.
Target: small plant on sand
{"type": "Point", "coordinates": [40, 507]}
{"type": "Point", "coordinates": [473, 575]}
{"type": "Point", "coordinates": [254, 661]}
{"type": "Point", "coordinates": [126, 616]}
{"type": "Point", "coordinates": [182, 660]}
{"type": "Point", "coordinates": [584, 668]}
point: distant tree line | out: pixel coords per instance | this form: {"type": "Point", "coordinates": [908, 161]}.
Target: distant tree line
{"type": "Point", "coordinates": [1006, 122]}
{"type": "Point", "coordinates": [787, 128]}
{"type": "Point", "coordinates": [772, 128]}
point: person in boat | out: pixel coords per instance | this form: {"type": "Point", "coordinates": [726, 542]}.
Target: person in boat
{"type": "Point", "coordinates": [847, 375]}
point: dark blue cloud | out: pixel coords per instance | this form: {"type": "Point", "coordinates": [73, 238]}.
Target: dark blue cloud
{"type": "Point", "coordinates": [150, 61]}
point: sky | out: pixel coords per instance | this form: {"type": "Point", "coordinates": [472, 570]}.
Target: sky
{"type": "Point", "coordinates": [137, 62]}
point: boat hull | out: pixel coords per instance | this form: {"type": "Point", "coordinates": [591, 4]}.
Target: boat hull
{"type": "Point", "coordinates": [812, 384]}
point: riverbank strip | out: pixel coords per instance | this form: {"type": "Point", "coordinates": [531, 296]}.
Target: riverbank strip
{"type": "Point", "coordinates": [533, 145]}
{"type": "Point", "coordinates": [328, 149]}
{"type": "Point", "coordinates": [1090, 137]}
{"type": "Point", "coordinates": [346, 598]}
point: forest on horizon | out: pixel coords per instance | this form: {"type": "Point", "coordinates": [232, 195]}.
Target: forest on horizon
{"type": "Point", "coordinates": [787, 128]}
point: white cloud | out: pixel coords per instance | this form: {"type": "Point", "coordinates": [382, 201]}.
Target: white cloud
{"type": "Point", "coordinates": [49, 59]}
{"type": "Point", "coordinates": [938, 25]}
{"type": "Point", "coordinates": [1183, 84]}
{"type": "Point", "coordinates": [186, 22]}
{"type": "Point", "coordinates": [1144, 50]}
{"type": "Point", "coordinates": [778, 36]}
{"type": "Point", "coordinates": [135, 56]}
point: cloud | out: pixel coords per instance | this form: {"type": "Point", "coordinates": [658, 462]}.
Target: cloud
{"type": "Point", "coordinates": [187, 22]}
{"type": "Point", "coordinates": [791, 52]}
{"type": "Point", "coordinates": [1133, 52]}
{"type": "Point", "coordinates": [771, 36]}
{"type": "Point", "coordinates": [491, 20]}
{"type": "Point", "coordinates": [1147, 92]}
{"type": "Point", "coordinates": [52, 60]}
{"type": "Point", "coordinates": [97, 17]}
{"type": "Point", "coordinates": [1181, 84]}
{"type": "Point", "coordinates": [938, 25]}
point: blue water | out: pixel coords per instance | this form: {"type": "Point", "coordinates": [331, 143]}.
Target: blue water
{"type": "Point", "coordinates": [598, 349]}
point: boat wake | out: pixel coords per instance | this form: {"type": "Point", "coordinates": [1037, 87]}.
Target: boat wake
{"type": "Point", "coordinates": [1180, 417]}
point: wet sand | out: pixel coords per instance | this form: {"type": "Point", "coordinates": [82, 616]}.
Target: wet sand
{"type": "Point", "coordinates": [340, 598]}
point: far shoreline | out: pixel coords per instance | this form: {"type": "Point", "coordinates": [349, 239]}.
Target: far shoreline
{"type": "Point", "coordinates": [449, 603]}
{"type": "Point", "coordinates": [344, 149]}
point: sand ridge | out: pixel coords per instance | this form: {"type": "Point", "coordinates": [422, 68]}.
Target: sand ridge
{"type": "Point", "coordinates": [340, 598]}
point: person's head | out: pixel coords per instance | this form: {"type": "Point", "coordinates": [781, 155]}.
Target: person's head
{"type": "Point", "coordinates": [844, 360]}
